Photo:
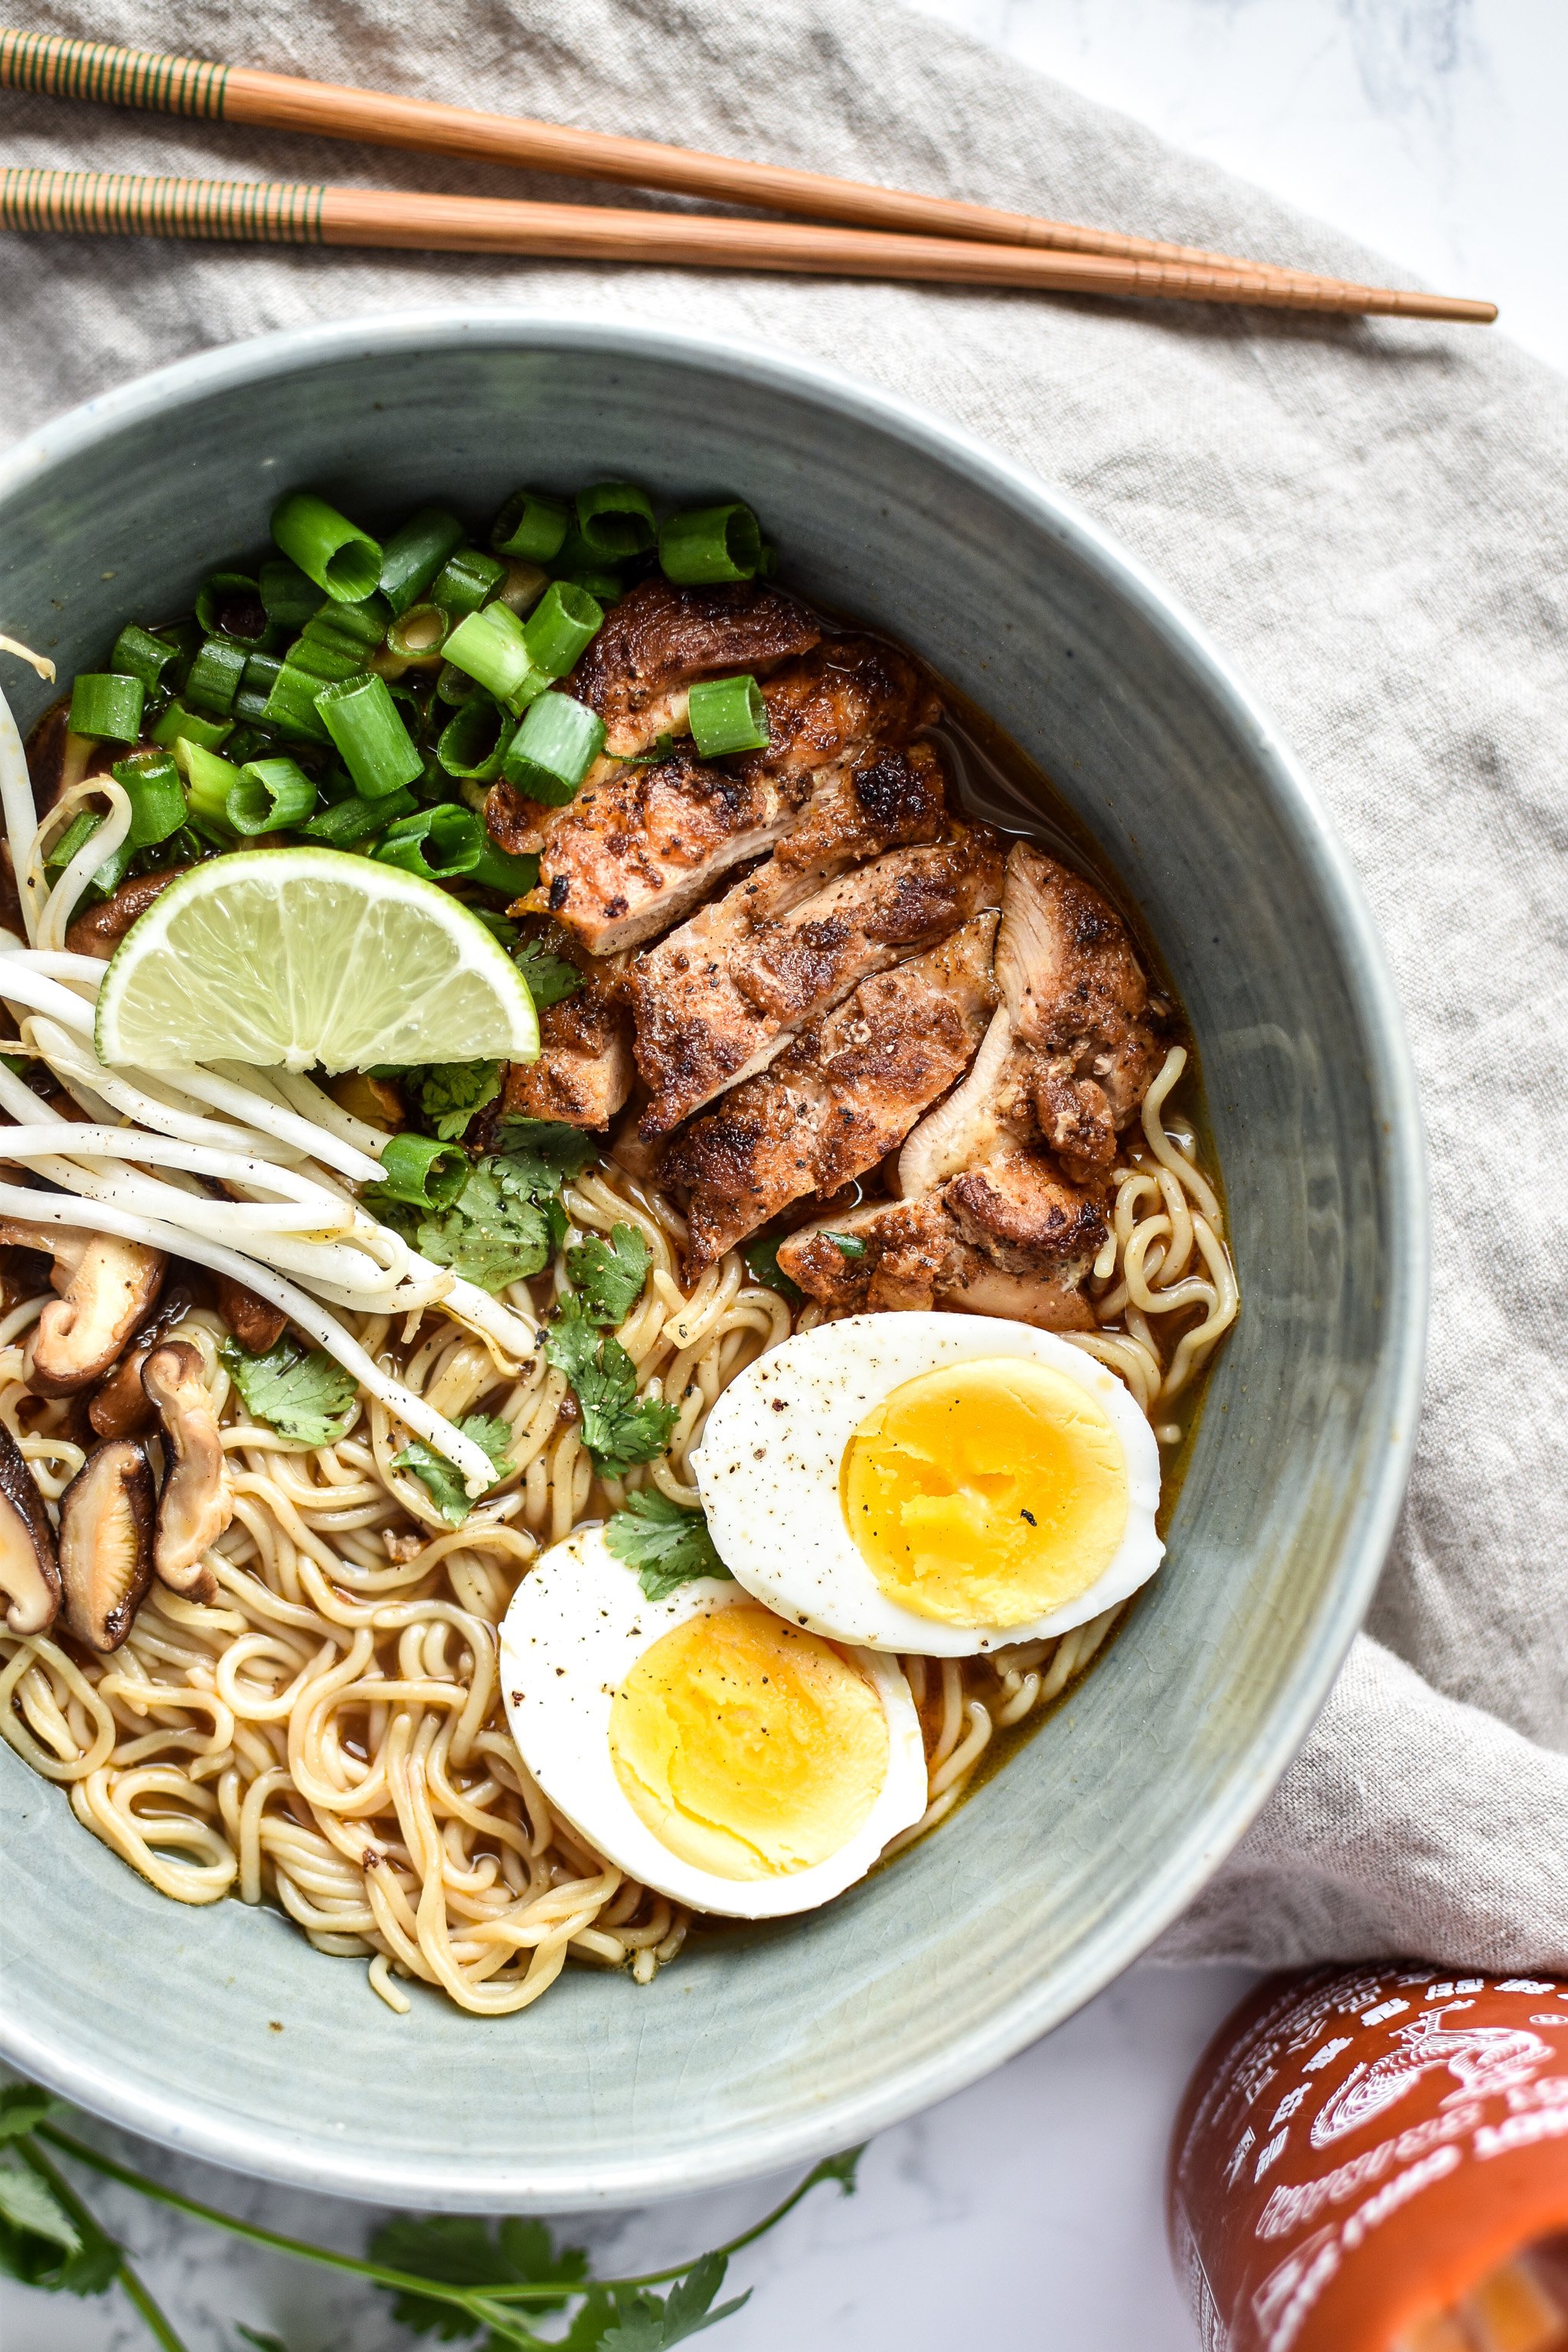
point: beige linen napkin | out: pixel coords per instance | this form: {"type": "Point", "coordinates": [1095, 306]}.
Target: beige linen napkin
{"type": "Point", "coordinates": [1369, 519]}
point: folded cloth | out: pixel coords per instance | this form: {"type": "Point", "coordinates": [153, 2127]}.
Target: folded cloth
{"type": "Point", "coordinates": [1369, 518]}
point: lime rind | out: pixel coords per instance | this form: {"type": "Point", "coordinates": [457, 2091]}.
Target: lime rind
{"type": "Point", "coordinates": [295, 959]}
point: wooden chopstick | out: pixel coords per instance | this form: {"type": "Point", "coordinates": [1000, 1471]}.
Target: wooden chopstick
{"type": "Point", "coordinates": [94, 69]}
{"type": "Point", "coordinates": [301, 213]}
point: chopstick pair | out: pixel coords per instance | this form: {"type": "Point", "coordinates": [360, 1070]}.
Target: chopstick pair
{"type": "Point", "coordinates": [874, 231]}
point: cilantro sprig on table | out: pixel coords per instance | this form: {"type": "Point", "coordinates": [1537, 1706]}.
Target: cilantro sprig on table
{"type": "Point", "coordinates": [667, 1544]}
{"type": "Point", "coordinates": [300, 1391]}
{"type": "Point", "coordinates": [451, 2279]}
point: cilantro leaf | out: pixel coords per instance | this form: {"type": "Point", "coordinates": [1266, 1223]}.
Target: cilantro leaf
{"type": "Point", "coordinates": [558, 1150]}
{"type": "Point", "coordinates": [23, 2107]}
{"type": "Point", "coordinates": [652, 2323]}
{"type": "Point", "coordinates": [299, 1391]}
{"type": "Point", "coordinates": [763, 1264]}
{"type": "Point", "coordinates": [444, 1482]}
{"type": "Point", "coordinates": [550, 978]}
{"type": "Point", "coordinates": [43, 2245]}
{"type": "Point", "coordinates": [449, 1094]}
{"type": "Point", "coordinates": [667, 1545]}
{"type": "Point", "coordinates": [609, 1275]}
{"type": "Point", "coordinates": [617, 1430]}
{"type": "Point", "coordinates": [455, 2250]}
{"type": "Point", "coordinates": [494, 1233]}
{"type": "Point", "coordinates": [841, 2168]}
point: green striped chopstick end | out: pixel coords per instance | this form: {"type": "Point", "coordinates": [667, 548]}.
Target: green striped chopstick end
{"type": "Point", "coordinates": [257, 212]}
{"type": "Point", "coordinates": [60, 68]}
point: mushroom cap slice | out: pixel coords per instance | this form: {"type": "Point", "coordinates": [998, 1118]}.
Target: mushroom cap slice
{"type": "Point", "coordinates": [107, 1516]}
{"type": "Point", "coordinates": [197, 1501]}
{"type": "Point", "coordinates": [120, 1406]}
{"type": "Point", "coordinates": [29, 1571]}
{"type": "Point", "coordinates": [78, 1336]}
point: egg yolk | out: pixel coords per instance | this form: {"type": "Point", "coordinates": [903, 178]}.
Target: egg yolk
{"type": "Point", "coordinates": [747, 1746]}
{"type": "Point", "coordinates": [987, 1492]}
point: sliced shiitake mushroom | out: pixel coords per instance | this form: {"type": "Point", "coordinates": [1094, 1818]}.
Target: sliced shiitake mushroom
{"type": "Point", "coordinates": [99, 931]}
{"type": "Point", "coordinates": [121, 1406]}
{"type": "Point", "coordinates": [196, 1502]}
{"type": "Point", "coordinates": [29, 1571]}
{"type": "Point", "coordinates": [107, 1287]}
{"type": "Point", "coordinates": [106, 1515]}
{"type": "Point", "coordinates": [256, 1323]}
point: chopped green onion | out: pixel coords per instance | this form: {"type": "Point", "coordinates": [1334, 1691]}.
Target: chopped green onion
{"type": "Point", "coordinates": [709, 543]}
{"type": "Point", "coordinates": [415, 554]}
{"type": "Point", "coordinates": [288, 598]}
{"type": "Point", "coordinates": [290, 707]}
{"type": "Point", "coordinates": [262, 672]}
{"type": "Point", "coordinates": [455, 686]}
{"type": "Point", "coordinates": [577, 563]}
{"type": "Point", "coordinates": [107, 707]}
{"type": "Point", "coordinates": [230, 604]}
{"type": "Point", "coordinates": [767, 564]}
{"type": "Point", "coordinates": [553, 749]}
{"type": "Point", "coordinates": [334, 644]}
{"type": "Point", "coordinates": [727, 714]}
{"type": "Point", "coordinates": [467, 582]}
{"type": "Point", "coordinates": [473, 744]}
{"type": "Point", "coordinates": [565, 620]}
{"type": "Point", "coordinates": [216, 676]}
{"type": "Point", "coordinates": [157, 797]}
{"type": "Point", "coordinates": [363, 720]}
{"type": "Point", "coordinates": [344, 561]}
{"type": "Point", "coordinates": [271, 795]}
{"type": "Point", "coordinates": [82, 827]}
{"type": "Point", "coordinates": [177, 720]}
{"type": "Point", "coordinates": [418, 635]}
{"type": "Point", "coordinates": [438, 844]}
{"type": "Point", "coordinates": [491, 646]}
{"type": "Point", "coordinates": [497, 870]}
{"type": "Point", "coordinates": [354, 819]}
{"type": "Point", "coordinates": [139, 654]}
{"type": "Point", "coordinates": [530, 526]}
{"type": "Point", "coordinates": [426, 1175]}
{"type": "Point", "coordinates": [524, 585]}
{"type": "Point", "coordinates": [616, 519]}
{"type": "Point", "coordinates": [208, 779]}
{"type": "Point", "coordinates": [184, 639]}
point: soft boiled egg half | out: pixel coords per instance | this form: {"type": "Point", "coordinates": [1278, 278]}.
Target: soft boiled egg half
{"type": "Point", "coordinates": [726, 1756]}
{"type": "Point", "coordinates": [937, 1483]}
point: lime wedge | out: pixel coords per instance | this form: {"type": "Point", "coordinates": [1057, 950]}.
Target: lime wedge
{"type": "Point", "coordinates": [294, 958]}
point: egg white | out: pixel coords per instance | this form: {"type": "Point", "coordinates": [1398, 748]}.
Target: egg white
{"type": "Point", "coordinates": [768, 1471]}
{"type": "Point", "coordinates": [577, 1624]}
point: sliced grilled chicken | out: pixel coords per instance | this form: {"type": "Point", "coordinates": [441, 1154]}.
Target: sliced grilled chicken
{"type": "Point", "coordinates": [659, 638]}
{"type": "Point", "coordinates": [585, 1072]}
{"type": "Point", "coordinates": [912, 1254]}
{"type": "Point", "coordinates": [721, 997]}
{"type": "Point", "coordinates": [839, 1098]}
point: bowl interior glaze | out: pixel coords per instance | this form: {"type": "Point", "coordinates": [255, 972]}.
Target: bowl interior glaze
{"type": "Point", "coordinates": [219, 2030]}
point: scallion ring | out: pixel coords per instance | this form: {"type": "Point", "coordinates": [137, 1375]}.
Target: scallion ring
{"type": "Point", "coordinates": [709, 544]}
{"type": "Point", "coordinates": [497, 870]}
{"type": "Point", "coordinates": [563, 624]}
{"type": "Point", "coordinates": [492, 647]}
{"type": "Point", "coordinates": [344, 561]}
{"type": "Point", "coordinates": [107, 707]}
{"type": "Point", "coordinates": [467, 581]}
{"type": "Point", "coordinates": [351, 821]}
{"type": "Point", "coordinates": [415, 554]}
{"type": "Point", "coordinates": [290, 705]}
{"type": "Point", "coordinates": [270, 796]}
{"type": "Point", "coordinates": [230, 604]}
{"type": "Point", "coordinates": [425, 1174]}
{"type": "Point", "coordinates": [727, 714]}
{"type": "Point", "coordinates": [216, 673]}
{"type": "Point", "coordinates": [208, 780]}
{"type": "Point", "coordinates": [438, 844]}
{"type": "Point", "coordinates": [418, 635]}
{"type": "Point", "coordinates": [288, 598]}
{"type": "Point", "coordinates": [530, 526]}
{"type": "Point", "coordinates": [616, 519]}
{"type": "Point", "coordinates": [177, 720]}
{"type": "Point", "coordinates": [139, 654]}
{"type": "Point", "coordinates": [363, 720]}
{"type": "Point", "coordinates": [157, 797]}
{"type": "Point", "coordinates": [473, 744]}
{"type": "Point", "coordinates": [553, 749]}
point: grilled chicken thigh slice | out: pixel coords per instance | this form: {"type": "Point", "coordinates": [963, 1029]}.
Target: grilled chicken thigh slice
{"type": "Point", "coordinates": [585, 1072]}
{"type": "Point", "coordinates": [911, 1254]}
{"type": "Point", "coordinates": [839, 1098]}
{"type": "Point", "coordinates": [721, 997]}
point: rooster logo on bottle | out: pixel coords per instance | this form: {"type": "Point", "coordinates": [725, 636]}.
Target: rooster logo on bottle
{"type": "Point", "coordinates": [1482, 2058]}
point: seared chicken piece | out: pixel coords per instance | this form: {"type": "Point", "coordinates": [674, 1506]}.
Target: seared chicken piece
{"type": "Point", "coordinates": [839, 1098]}
{"type": "Point", "coordinates": [851, 692]}
{"type": "Point", "coordinates": [658, 638]}
{"type": "Point", "coordinates": [637, 675]}
{"type": "Point", "coordinates": [638, 853]}
{"type": "Point", "coordinates": [1003, 1184]}
{"type": "Point", "coordinates": [721, 997]}
{"type": "Point", "coordinates": [583, 1072]}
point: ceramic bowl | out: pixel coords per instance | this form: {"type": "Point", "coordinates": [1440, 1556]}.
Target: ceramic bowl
{"type": "Point", "coordinates": [220, 2030]}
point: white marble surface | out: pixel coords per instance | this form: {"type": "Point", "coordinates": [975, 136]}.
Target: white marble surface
{"type": "Point", "coordinates": [1027, 2209]}
{"type": "Point", "coordinates": [1431, 129]}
